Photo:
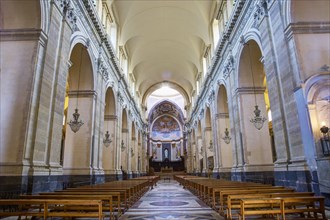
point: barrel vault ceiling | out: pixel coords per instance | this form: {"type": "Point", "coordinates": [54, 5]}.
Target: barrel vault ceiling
{"type": "Point", "coordinates": [164, 39]}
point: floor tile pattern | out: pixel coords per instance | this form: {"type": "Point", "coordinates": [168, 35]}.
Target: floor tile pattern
{"type": "Point", "coordinates": [168, 200]}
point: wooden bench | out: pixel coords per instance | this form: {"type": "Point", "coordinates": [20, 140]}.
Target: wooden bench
{"type": "Point", "coordinates": [301, 205]}
{"type": "Point", "coordinates": [106, 199]}
{"type": "Point", "coordinates": [270, 206]}
{"type": "Point", "coordinates": [283, 206]}
{"type": "Point", "coordinates": [224, 192]}
{"type": "Point", "coordinates": [233, 201]}
{"type": "Point", "coordinates": [48, 208]}
{"type": "Point", "coordinates": [116, 197]}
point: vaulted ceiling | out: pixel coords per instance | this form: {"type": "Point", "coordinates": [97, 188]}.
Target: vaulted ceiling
{"type": "Point", "coordinates": [164, 40]}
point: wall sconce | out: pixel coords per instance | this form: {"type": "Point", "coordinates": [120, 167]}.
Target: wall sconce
{"type": "Point", "coordinates": [132, 152]}
{"type": "Point", "coordinates": [325, 141]}
{"type": "Point", "coordinates": [123, 147]}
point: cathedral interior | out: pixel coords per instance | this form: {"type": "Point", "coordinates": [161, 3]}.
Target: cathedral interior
{"type": "Point", "coordinates": [95, 91]}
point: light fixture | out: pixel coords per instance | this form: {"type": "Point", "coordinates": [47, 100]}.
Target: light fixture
{"type": "Point", "coordinates": [123, 147]}
{"type": "Point", "coordinates": [324, 129]}
{"type": "Point", "coordinates": [226, 138]}
{"type": "Point", "coordinates": [202, 150]}
{"type": "Point", "coordinates": [211, 146]}
{"type": "Point", "coordinates": [107, 141]}
{"type": "Point", "coordinates": [132, 152]}
{"type": "Point", "coordinates": [257, 120]}
{"type": "Point", "coordinates": [325, 140]}
{"type": "Point", "coordinates": [76, 124]}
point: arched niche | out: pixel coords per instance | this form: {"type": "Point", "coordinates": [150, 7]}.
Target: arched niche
{"type": "Point", "coordinates": [256, 141]}
{"type": "Point", "coordinates": [223, 123]}
{"type": "Point", "coordinates": [124, 143]}
{"type": "Point", "coordinates": [79, 95]}
{"type": "Point", "coordinates": [110, 124]}
{"type": "Point", "coordinates": [80, 73]}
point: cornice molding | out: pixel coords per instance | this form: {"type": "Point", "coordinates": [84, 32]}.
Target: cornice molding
{"type": "Point", "coordinates": [110, 117]}
{"type": "Point", "coordinates": [250, 90]}
{"type": "Point", "coordinates": [82, 93]}
{"type": "Point", "coordinates": [306, 28]}
{"type": "Point", "coordinates": [222, 115]}
{"type": "Point", "coordinates": [23, 35]}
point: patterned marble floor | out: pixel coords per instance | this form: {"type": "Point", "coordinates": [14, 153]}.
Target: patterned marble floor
{"type": "Point", "coordinates": [168, 200]}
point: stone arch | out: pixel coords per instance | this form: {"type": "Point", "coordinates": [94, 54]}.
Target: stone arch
{"type": "Point", "coordinates": [208, 140]}
{"type": "Point", "coordinates": [77, 152]}
{"type": "Point", "coordinates": [256, 143]}
{"type": "Point", "coordinates": [172, 85]}
{"type": "Point", "coordinates": [223, 124]}
{"type": "Point", "coordinates": [110, 124]}
{"type": "Point", "coordinates": [124, 144]}
{"type": "Point", "coordinates": [317, 94]}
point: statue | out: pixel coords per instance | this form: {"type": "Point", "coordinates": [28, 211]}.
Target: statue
{"type": "Point", "coordinates": [166, 153]}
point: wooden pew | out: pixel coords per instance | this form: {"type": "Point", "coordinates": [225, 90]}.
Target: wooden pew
{"type": "Point", "coordinates": [46, 208]}
{"type": "Point", "coordinates": [116, 197]}
{"type": "Point", "coordinates": [283, 206]}
{"type": "Point", "coordinates": [233, 201]}
{"type": "Point", "coordinates": [106, 199]}
{"type": "Point", "coordinates": [224, 192]}
{"type": "Point", "coordinates": [301, 205]}
{"type": "Point", "coordinates": [271, 206]}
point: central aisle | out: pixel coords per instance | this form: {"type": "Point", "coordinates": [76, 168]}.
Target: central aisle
{"type": "Point", "coordinates": [168, 200]}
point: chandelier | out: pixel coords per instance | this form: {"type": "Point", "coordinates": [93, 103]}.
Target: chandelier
{"type": "Point", "coordinates": [211, 146]}
{"type": "Point", "coordinates": [257, 120]}
{"type": "Point", "coordinates": [226, 138]}
{"type": "Point", "coordinates": [123, 147]}
{"type": "Point", "coordinates": [107, 141]}
{"type": "Point", "coordinates": [76, 124]}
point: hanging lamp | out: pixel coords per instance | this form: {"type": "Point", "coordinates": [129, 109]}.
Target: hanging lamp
{"type": "Point", "coordinates": [76, 124]}
{"type": "Point", "coordinates": [257, 120]}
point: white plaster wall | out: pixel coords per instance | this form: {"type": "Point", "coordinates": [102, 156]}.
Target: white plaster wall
{"type": "Point", "coordinates": [313, 51]}
{"type": "Point", "coordinates": [256, 142]}
{"type": "Point", "coordinates": [17, 64]}
{"type": "Point", "coordinates": [109, 152]}
{"type": "Point", "coordinates": [77, 153]}
{"type": "Point", "coordinates": [226, 149]}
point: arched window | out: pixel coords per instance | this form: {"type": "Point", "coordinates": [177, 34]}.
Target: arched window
{"type": "Point", "coordinates": [215, 28]}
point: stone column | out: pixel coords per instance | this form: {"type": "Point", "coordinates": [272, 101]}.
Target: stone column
{"type": "Point", "coordinates": [200, 155]}
{"type": "Point", "coordinates": [215, 139]}
{"type": "Point", "coordinates": [125, 150]}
